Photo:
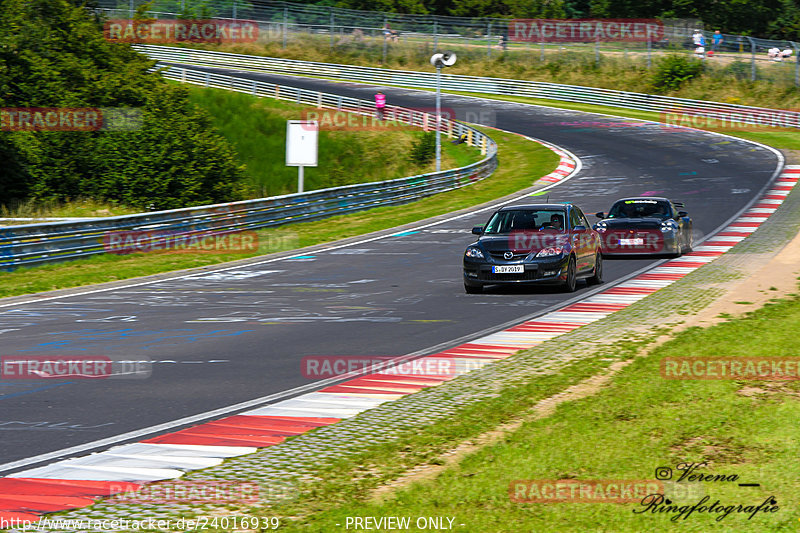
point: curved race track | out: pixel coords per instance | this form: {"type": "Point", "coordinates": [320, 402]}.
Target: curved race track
{"type": "Point", "coordinates": [232, 336]}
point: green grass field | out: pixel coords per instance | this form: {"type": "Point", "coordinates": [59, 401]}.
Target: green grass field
{"type": "Point", "coordinates": [638, 423]}
{"type": "Point", "coordinates": [256, 127]}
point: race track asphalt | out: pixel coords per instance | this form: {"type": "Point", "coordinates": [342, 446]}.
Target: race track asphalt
{"type": "Point", "coordinates": [217, 339]}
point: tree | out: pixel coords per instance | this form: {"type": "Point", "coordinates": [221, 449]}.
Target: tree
{"type": "Point", "coordinates": [55, 55]}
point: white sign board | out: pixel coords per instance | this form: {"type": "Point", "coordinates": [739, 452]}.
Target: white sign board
{"type": "Point", "coordinates": [301, 143]}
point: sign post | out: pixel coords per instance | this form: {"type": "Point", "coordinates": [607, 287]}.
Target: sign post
{"type": "Point", "coordinates": [301, 146]}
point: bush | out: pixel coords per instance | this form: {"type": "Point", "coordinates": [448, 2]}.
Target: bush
{"type": "Point", "coordinates": [675, 70]}
{"type": "Point", "coordinates": [54, 55]}
{"type": "Point", "coordinates": [738, 69]}
{"type": "Point", "coordinates": [423, 150]}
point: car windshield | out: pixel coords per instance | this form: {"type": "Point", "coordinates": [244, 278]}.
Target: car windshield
{"type": "Point", "coordinates": [526, 220]}
{"type": "Point", "coordinates": [640, 209]}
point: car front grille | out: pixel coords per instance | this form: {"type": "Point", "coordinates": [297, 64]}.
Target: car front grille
{"type": "Point", "coordinates": [515, 257]}
{"type": "Point", "coordinates": [524, 276]}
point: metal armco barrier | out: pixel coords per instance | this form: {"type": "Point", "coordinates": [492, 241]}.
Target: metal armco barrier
{"type": "Point", "coordinates": [455, 82]}
{"type": "Point", "coordinates": [35, 244]}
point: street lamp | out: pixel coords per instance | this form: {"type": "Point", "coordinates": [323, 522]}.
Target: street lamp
{"type": "Point", "coordinates": [439, 60]}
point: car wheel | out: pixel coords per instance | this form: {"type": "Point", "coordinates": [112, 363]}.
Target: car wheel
{"type": "Point", "coordinates": [473, 289]}
{"type": "Point", "coordinates": [569, 284]}
{"type": "Point", "coordinates": [597, 277]}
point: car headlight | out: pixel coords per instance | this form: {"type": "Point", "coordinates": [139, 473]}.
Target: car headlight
{"type": "Point", "coordinates": [474, 253]}
{"type": "Point", "coordinates": [551, 251]}
{"type": "Point", "coordinates": [601, 226]}
{"type": "Point", "coordinates": [669, 225]}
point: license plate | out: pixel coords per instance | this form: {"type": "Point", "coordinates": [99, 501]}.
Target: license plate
{"type": "Point", "coordinates": [508, 269]}
{"type": "Point", "coordinates": [631, 241]}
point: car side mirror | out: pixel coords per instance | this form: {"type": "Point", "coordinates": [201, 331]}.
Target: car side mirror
{"type": "Point", "coordinates": [579, 228]}
{"type": "Point", "coordinates": [683, 214]}
{"type": "Point", "coordinates": [477, 230]}
{"type": "Point", "coordinates": [600, 214]}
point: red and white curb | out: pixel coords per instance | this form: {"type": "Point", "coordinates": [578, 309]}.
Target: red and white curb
{"type": "Point", "coordinates": [565, 167]}
{"type": "Point", "coordinates": [76, 483]}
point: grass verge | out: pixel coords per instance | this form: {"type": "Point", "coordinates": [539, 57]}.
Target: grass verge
{"type": "Point", "coordinates": [521, 162]}
{"type": "Point", "coordinates": [256, 128]}
{"type": "Point", "coordinates": [636, 424]}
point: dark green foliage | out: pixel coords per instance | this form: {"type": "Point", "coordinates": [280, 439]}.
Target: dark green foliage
{"type": "Point", "coordinates": [675, 70]}
{"type": "Point", "coordinates": [423, 150]}
{"type": "Point", "coordinates": [738, 69]}
{"type": "Point", "coordinates": [55, 55]}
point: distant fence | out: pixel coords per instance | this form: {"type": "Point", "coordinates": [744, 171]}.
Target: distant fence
{"type": "Point", "coordinates": [389, 35]}
{"type": "Point", "coordinates": [35, 244]}
{"type": "Point", "coordinates": [701, 109]}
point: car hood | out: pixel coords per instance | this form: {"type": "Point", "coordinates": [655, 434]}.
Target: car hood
{"type": "Point", "coordinates": [634, 223]}
{"type": "Point", "coordinates": [530, 241]}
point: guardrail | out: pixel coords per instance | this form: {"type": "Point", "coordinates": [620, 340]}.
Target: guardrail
{"type": "Point", "coordinates": [34, 244]}
{"type": "Point", "coordinates": [455, 82]}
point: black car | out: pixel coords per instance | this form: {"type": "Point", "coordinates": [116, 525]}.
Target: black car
{"type": "Point", "coordinates": [533, 244]}
{"type": "Point", "coordinates": [645, 226]}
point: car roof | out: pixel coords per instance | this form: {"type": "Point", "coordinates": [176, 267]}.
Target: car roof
{"type": "Point", "coordinates": [559, 206]}
{"type": "Point", "coordinates": [639, 198]}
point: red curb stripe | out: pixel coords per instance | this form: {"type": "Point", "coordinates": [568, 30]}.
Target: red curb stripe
{"type": "Point", "coordinates": [542, 328]}
{"type": "Point", "coordinates": [426, 380]}
{"type": "Point", "coordinates": [593, 307]}
{"type": "Point", "coordinates": [363, 382]}
{"type": "Point", "coordinates": [256, 421]}
{"type": "Point", "coordinates": [704, 253]}
{"type": "Point", "coordinates": [773, 197]}
{"type": "Point", "coordinates": [720, 243]}
{"type": "Point", "coordinates": [242, 430]}
{"type": "Point", "coordinates": [65, 487]}
{"type": "Point", "coordinates": [733, 234]}
{"type": "Point", "coordinates": [489, 347]}
{"type": "Point", "coordinates": [686, 264]}
{"type": "Point", "coordinates": [479, 353]}
{"type": "Point", "coordinates": [662, 276]}
{"type": "Point", "coordinates": [317, 421]}
{"type": "Point", "coordinates": [42, 504]}
{"type": "Point", "coordinates": [363, 390]}
{"type": "Point", "coordinates": [433, 378]}
{"type": "Point", "coordinates": [214, 440]}
{"type": "Point", "coordinates": [17, 519]}
{"type": "Point", "coordinates": [630, 290]}
{"type": "Point", "coordinates": [455, 354]}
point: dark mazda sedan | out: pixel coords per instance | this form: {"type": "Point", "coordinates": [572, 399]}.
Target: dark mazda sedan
{"type": "Point", "coordinates": [645, 226]}
{"type": "Point", "coordinates": [533, 244]}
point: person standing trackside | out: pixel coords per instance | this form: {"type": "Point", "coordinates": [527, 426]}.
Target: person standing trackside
{"type": "Point", "coordinates": [380, 104]}
{"type": "Point", "coordinates": [718, 39]}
